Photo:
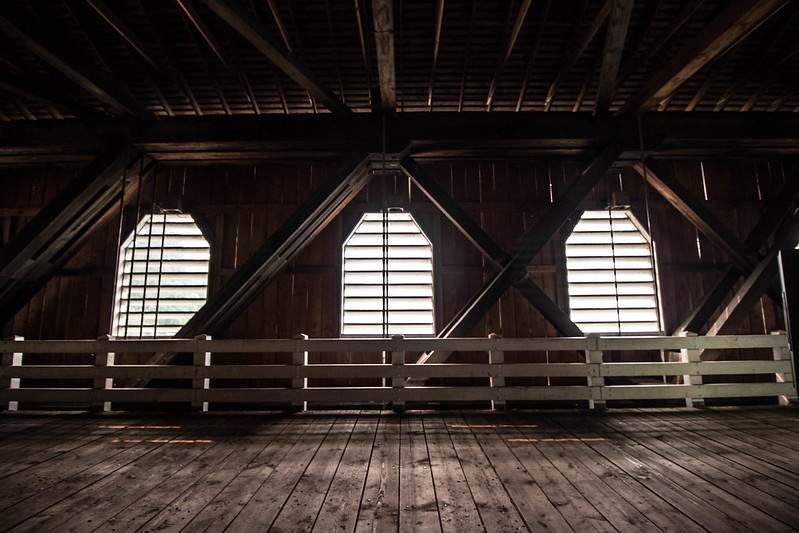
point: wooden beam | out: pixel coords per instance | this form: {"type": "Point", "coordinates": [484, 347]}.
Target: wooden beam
{"type": "Point", "coordinates": [383, 14]}
{"type": "Point", "coordinates": [123, 30]}
{"type": "Point", "coordinates": [615, 36]}
{"type": "Point", "coordinates": [521, 15]}
{"type": "Point", "coordinates": [678, 196]}
{"type": "Point", "coordinates": [530, 245]}
{"type": "Point", "coordinates": [570, 60]}
{"type": "Point", "coordinates": [44, 94]}
{"type": "Point", "coordinates": [737, 20]}
{"type": "Point", "coordinates": [43, 43]}
{"type": "Point", "coordinates": [289, 239]}
{"type": "Point", "coordinates": [239, 19]}
{"type": "Point", "coordinates": [750, 292]}
{"type": "Point", "coordinates": [49, 239]}
{"type": "Point", "coordinates": [782, 206]}
{"type": "Point", "coordinates": [436, 43]}
{"type": "Point", "coordinates": [483, 242]}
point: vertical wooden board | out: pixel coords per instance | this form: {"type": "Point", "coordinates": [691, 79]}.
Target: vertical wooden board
{"type": "Point", "coordinates": [379, 507]}
{"type": "Point", "coordinates": [341, 504]}
{"type": "Point", "coordinates": [418, 505]}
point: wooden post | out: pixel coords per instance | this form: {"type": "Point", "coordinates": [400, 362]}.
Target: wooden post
{"type": "Point", "coordinates": [201, 359]}
{"type": "Point", "coordinates": [398, 379]}
{"type": "Point", "coordinates": [12, 359]}
{"type": "Point", "coordinates": [784, 354]}
{"type": "Point", "coordinates": [496, 357]}
{"type": "Point", "coordinates": [299, 359]}
{"type": "Point", "coordinates": [596, 382]}
{"type": "Point", "coordinates": [691, 356]}
{"type": "Point", "coordinates": [102, 360]}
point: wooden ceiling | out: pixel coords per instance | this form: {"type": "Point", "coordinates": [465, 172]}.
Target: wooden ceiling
{"type": "Point", "coordinates": [151, 59]}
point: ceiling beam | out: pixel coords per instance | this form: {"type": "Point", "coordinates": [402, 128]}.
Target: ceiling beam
{"type": "Point", "coordinates": [530, 245]}
{"type": "Point", "coordinates": [615, 36]}
{"type": "Point", "coordinates": [42, 42]}
{"type": "Point", "coordinates": [778, 210]}
{"type": "Point", "coordinates": [483, 242]}
{"type": "Point", "coordinates": [383, 14]}
{"type": "Point", "coordinates": [123, 30]}
{"type": "Point", "coordinates": [29, 260]}
{"type": "Point", "coordinates": [290, 238]}
{"type": "Point", "coordinates": [253, 31]}
{"type": "Point", "coordinates": [436, 44]}
{"type": "Point", "coordinates": [737, 20]}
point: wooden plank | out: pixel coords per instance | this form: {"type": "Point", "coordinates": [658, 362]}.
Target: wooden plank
{"type": "Point", "coordinates": [494, 504]}
{"type": "Point", "coordinates": [260, 510]}
{"type": "Point", "coordinates": [456, 506]}
{"type": "Point", "coordinates": [226, 505]}
{"type": "Point", "coordinates": [379, 504]}
{"type": "Point", "coordinates": [417, 503]}
{"type": "Point", "coordinates": [302, 508]}
{"type": "Point", "coordinates": [342, 500]}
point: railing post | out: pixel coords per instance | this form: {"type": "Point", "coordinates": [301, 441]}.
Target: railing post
{"type": "Point", "coordinates": [596, 383]}
{"type": "Point", "coordinates": [783, 353]}
{"type": "Point", "coordinates": [690, 355]}
{"type": "Point", "coordinates": [299, 359]}
{"type": "Point", "coordinates": [497, 357]}
{"type": "Point", "coordinates": [398, 377]}
{"type": "Point", "coordinates": [12, 359]}
{"type": "Point", "coordinates": [103, 360]}
{"type": "Point", "coordinates": [202, 359]}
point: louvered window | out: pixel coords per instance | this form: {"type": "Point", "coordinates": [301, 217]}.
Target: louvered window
{"type": "Point", "coordinates": [388, 277]}
{"type": "Point", "coordinates": [162, 278]}
{"type": "Point", "coordinates": [611, 275]}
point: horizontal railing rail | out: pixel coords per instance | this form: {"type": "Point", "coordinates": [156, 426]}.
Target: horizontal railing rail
{"type": "Point", "coordinates": [598, 381]}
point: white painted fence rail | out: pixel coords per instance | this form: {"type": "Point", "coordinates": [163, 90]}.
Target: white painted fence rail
{"type": "Point", "coordinates": [596, 390]}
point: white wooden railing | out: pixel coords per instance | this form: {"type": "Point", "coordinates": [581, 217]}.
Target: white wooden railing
{"type": "Point", "coordinates": [681, 371]}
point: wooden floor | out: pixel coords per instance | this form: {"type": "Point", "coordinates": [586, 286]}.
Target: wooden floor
{"type": "Point", "coordinates": [734, 469]}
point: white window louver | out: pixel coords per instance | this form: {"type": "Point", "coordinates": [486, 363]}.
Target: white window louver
{"type": "Point", "coordinates": [611, 275]}
{"type": "Point", "coordinates": [406, 257]}
{"type": "Point", "coordinates": [162, 278]}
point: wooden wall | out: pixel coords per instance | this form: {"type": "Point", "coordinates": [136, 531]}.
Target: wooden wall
{"type": "Point", "coordinates": [239, 206]}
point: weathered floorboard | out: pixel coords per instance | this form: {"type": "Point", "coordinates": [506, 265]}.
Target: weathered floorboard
{"type": "Point", "coordinates": [678, 469]}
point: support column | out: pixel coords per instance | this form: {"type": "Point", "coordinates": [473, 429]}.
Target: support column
{"type": "Point", "coordinates": [497, 357]}
{"type": "Point", "coordinates": [784, 354]}
{"type": "Point", "coordinates": [202, 359]}
{"type": "Point", "coordinates": [11, 359]}
{"type": "Point", "coordinates": [690, 355]}
{"type": "Point", "coordinates": [299, 359]}
{"type": "Point", "coordinates": [593, 357]}
{"type": "Point", "coordinates": [398, 378]}
{"type": "Point", "coordinates": [103, 360]}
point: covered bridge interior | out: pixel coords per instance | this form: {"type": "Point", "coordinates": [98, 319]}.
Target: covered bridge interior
{"type": "Point", "coordinates": [372, 204]}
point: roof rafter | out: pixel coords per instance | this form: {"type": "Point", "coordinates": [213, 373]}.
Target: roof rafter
{"type": "Point", "coordinates": [244, 23]}
{"type": "Point", "coordinates": [615, 37]}
{"type": "Point", "coordinates": [521, 15]}
{"type": "Point", "coordinates": [59, 55]}
{"type": "Point", "coordinates": [383, 14]}
{"type": "Point", "coordinates": [733, 24]}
